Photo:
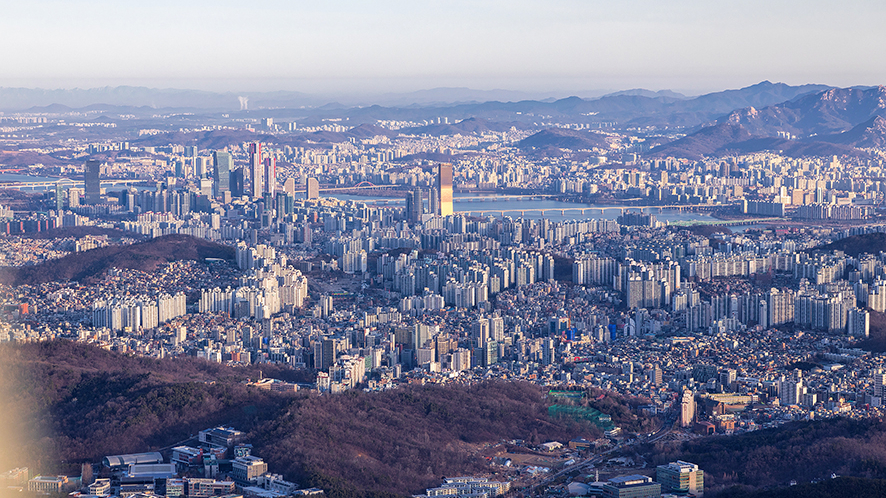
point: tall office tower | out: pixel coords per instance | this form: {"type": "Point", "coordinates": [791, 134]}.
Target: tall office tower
{"type": "Point", "coordinates": [414, 204]}
{"type": "Point", "coordinates": [270, 175]}
{"type": "Point", "coordinates": [221, 175]}
{"type": "Point", "coordinates": [444, 188]}
{"type": "Point", "coordinates": [238, 183]}
{"type": "Point", "coordinates": [190, 151]}
{"type": "Point", "coordinates": [92, 174]}
{"type": "Point", "coordinates": [256, 169]}
{"type": "Point", "coordinates": [280, 204]}
{"type": "Point", "coordinates": [313, 189]}
{"type": "Point", "coordinates": [59, 198]}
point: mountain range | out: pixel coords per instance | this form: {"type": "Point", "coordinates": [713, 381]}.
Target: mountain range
{"type": "Point", "coordinates": [794, 120]}
{"type": "Point", "coordinates": [835, 121]}
{"type": "Point", "coordinates": [631, 107]}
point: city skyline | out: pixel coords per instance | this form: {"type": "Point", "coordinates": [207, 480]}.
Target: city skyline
{"type": "Point", "coordinates": [580, 248]}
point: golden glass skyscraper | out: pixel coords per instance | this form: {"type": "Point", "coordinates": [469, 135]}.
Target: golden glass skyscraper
{"type": "Point", "coordinates": [444, 188]}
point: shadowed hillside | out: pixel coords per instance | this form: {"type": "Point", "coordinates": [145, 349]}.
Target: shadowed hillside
{"type": "Point", "coordinates": [565, 139]}
{"type": "Point", "coordinates": [870, 243]}
{"type": "Point", "coordinates": [145, 256]}
{"type": "Point", "coordinates": [801, 451]}
{"type": "Point", "coordinates": [79, 403]}
{"type": "Point", "coordinates": [841, 487]}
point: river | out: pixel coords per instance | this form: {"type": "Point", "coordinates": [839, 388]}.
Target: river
{"type": "Point", "coordinates": [531, 208]}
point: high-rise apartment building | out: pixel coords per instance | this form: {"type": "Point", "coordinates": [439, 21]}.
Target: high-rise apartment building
{"type": "Point", "coordinates": [256, 170]}
{"type": "Point", "coordinates": [480, 331]}
{"type": "Point", "coordinates": [289, 187]}
{"type": "Point", "coordinates": [444, 188]}
{"type": "Point", "coordinates": [313, 189]}
{"type": "Point", "coordinates": [687, 408]}
{"type": "Point", "coordinates": [92, 175]}
{"type": "Point", "coordinates": [270, 175]}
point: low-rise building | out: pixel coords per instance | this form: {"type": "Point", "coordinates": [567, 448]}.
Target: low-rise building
{"type": "Point", "coordinates": [45, 485]}
{"type": "Point", "coordinates": [681, 478]}
{"type": "Point", "coordinates": [248, 469]}
{"type": "Point", "coordinates": [632, 486]}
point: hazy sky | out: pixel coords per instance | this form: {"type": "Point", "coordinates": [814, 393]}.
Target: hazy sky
{"type": "Point", "coordinates": [364, 46]}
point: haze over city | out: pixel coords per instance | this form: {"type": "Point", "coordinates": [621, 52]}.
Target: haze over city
{"type": "Point", "coordinates": [352, 47]}
{"type": "Point", "coordinates": [348, 249]}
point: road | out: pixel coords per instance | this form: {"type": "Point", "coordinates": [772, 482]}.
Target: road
{"type": "Point", "coordinates": [666, 427]}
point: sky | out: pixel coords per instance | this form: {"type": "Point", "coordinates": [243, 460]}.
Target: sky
{"type": "Point", "coordinates": [377, 46]}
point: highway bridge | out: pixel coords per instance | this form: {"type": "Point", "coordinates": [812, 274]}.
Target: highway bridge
{"type": "Point", "coordinates": [67, 183]}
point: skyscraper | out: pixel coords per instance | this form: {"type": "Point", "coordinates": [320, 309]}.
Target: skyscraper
{"type": "Point", "coordinates": [270, 175]}
{"type": "Point", "coordinates": [59, 197]}
{"type": "Point", "coordinates": [92, 175]}
{"type": "Point", "coordinates": [444, 188]}
{"type": "Point", "coordinates": [238, 183]}
{"type": "Point", "coordinates": [222, 173]}
{"type": "Point", "coordinates": [256, 170]}
{"type": "Point", "coordinates": [414, 205]}
{"type": "Point", "coordinates": [687, 408]}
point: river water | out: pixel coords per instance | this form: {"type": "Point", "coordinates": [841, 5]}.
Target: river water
{"type": "Point", "coordinates": [531, 208]}
{"type": "Point", "coordinates": [481, 205]}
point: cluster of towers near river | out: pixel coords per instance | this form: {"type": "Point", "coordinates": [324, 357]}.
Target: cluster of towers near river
{"type": "Point", "coordinates": [439, 198]}
{"type": "Point", "coordinates": [259, 178]}
{"type": "Point", "coordinates": [256, 179]}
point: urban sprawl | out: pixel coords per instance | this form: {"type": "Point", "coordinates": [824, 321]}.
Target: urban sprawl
{"type": "Point", "coordinates": [722, 331]}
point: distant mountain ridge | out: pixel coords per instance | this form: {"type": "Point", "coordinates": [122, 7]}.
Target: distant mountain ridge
{"type": "Point", "coordinates": [630, 107]}
{"type": "Point", "coordinates": [642, 92]}
{"type": "Point", "coordinates": [836, 121]}
{"type": "Point", "coordinates": [831, 111]}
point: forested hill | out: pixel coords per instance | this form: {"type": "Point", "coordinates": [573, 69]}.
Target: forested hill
{"type": "Point", "coordinates": [144, 256]}
{"type": "Point", "coordinates": [838, 487]}
{"type": "Point", "coordinates": [798, 451]}
{"type": "Point", "coordinates": [70, 403]}
{"type": "Point", "coordinates": [870, 243]}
